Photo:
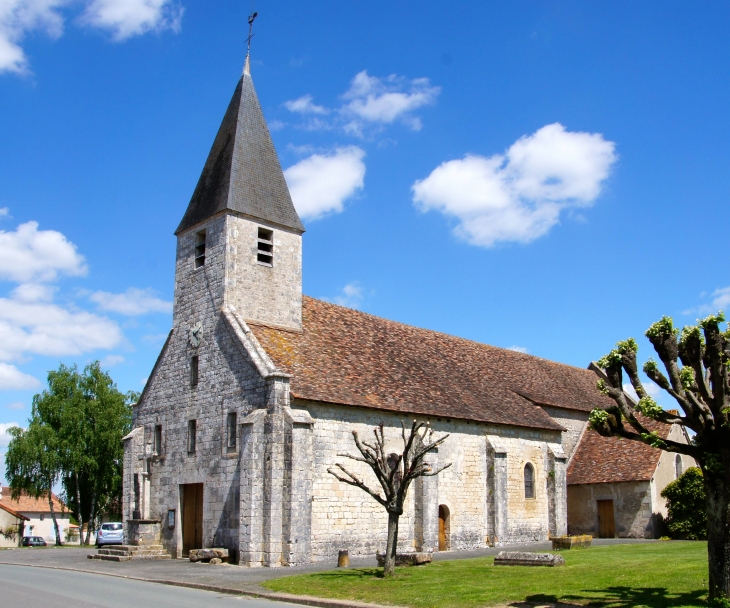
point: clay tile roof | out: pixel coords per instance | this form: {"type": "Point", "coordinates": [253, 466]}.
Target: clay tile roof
{"type": "Point", "coordinates": [26, 504]}
{"type": "Point", "coordinates": [610, 459]}
{"type": "Point", "coordinates": [349, 357]}
{"type": "Point", "coordinates": [12, 512]}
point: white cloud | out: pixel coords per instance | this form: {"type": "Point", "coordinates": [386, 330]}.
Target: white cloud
{"type": "Point", "coordinates": [370, 101]}
{"type": "Point", "coordinates": [44, 328]}
{"type": "Point", "coordinates": [304, 105]}
{"type": "Point", "coordinates": [720, 301]}
{"type": "Point", "coordinates": [20, 17]}
{"type": "Point", "coordinates": [133, 302]}
{"type": "Point", "coordinates": [124, 18]}
{"type": "Point", "coordinates": [350, 296]}
{"type": "Point", "coordinates": [385, 100]}
{"type": "Point", "coordinates": [18, 405]}
{"type": "Point", "coordinates": [518, 196]}
{"type": "Point", "coordinates": [127, 18]}
{"type": "Point", "coordinates": [29, 254]}
{"type": "Point", "coordinates": [321, 183]}
{"type": "Point", "coordinates": [12, 379]}
{"type": "Point", "coordinates": [111, 360]}
{"type": "Point", "coordinates": [4, 435]}
{"type": "Point", "coordinates": [518, 349]}
{"type": "Point", "coordinates": [4, 212]}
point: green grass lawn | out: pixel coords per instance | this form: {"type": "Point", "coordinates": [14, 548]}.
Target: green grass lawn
{"type": "Point", "coordinates": [654, 574]}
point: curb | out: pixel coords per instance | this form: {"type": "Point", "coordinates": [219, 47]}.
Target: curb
{"type": "Point", "coordinates": [304, 600]}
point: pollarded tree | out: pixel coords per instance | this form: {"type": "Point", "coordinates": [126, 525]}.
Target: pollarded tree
{"type": "Point", "coordinates": [697, 365]}
{"type": "Point", "coordinates": [395, 472]}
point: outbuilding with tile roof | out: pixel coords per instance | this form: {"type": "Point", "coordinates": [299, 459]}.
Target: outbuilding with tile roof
{"type": "Point", "coordinates": [615, 485]}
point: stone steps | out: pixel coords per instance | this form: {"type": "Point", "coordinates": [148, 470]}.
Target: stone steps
{"type": "Point", "coordinates": [125, 553]}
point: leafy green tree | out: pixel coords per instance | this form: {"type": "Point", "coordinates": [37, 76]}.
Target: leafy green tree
{"type": "Point", "coordinates": [32, 463]}
{"type": "Point", "coordinates": [686, 499]}
{"type": "Point", "coordinates": [83, 417]}
{"type": "Point", "coordinates": [697, 365]}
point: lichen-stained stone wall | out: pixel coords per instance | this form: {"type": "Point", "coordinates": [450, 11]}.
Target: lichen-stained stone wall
{"type": "Point", "coordinates": [527, 518]}
{"type": "Point", "coordinates": [633, 513]}
{"type": "Point", "coordinates": [574, 422]}
{"type": "Point", "coordinates": [344, 517]}
{"type": "Point", "coordinates": [269, 295]}
{"type": "Point", "coordinates": [228, 381]}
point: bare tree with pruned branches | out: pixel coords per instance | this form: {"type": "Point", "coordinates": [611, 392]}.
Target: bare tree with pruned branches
{"type": "Point", "coordinates": [697, 365]}
{"type": "Point", "coordinates": [395, 472]}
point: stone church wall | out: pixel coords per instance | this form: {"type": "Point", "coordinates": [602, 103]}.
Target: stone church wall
{"type": "Point", "coordinates": [633, 514]}
{"type": "Point", "coordinates": [228, 382]}
{"type": "Point", "coordinates": [344, 517]}
{"type": "Point", "coordinates": [574, 422]}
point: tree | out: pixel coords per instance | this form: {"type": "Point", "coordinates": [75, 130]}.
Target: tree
{"type": "Point", "coordinates": [395, 472]}
{"type": "Point", "coordinates": [80, 419]}
{"type": "Point", "coordinates": [696, 361]}
{"type": "Point", "coordinates": [33, 464]}
{"type": "Point", "coordinates": [686, 517]}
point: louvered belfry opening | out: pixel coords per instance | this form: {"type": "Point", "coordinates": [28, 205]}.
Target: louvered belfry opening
{"type": "Point", "coordinates": [265, 253]}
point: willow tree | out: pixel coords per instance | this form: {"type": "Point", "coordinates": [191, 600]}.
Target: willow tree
{"type": "Point", "coordinates": [696, 364]}
{"type": "Point", "coordinates": [395, 472]}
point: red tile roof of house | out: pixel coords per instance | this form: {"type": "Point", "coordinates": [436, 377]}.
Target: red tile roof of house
{"type": "Point", "coordinates": [12, 512]}
{"type": "Point", "coordinates": [348, 357]}
{"type": "Point", "coordinates": [600, 459]}
{"type": "Point", "coordinates": [27, 504]}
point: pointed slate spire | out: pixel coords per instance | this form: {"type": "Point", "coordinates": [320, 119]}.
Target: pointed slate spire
{"type": "Point", "coordinates": [242, 172]}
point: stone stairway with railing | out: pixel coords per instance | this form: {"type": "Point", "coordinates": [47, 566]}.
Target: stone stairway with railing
{"type": "Point", "coordinates": [144, 536]}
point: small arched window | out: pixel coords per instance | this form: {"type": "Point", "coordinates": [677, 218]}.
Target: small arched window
{"type": "Point", "coordinates": [529, 481]}
{"type": "Point", "coordinates": [678, 466]}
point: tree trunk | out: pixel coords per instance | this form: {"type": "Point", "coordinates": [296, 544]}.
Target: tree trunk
{"type": "Point", "coordinates": [79, 517]}
{"type": "Point", "coordinates": [717, 488]}
{"type": "Point", "coordinates": [392, 545]}
{"type": "Point", "coordinates": [53, 514]}
{"type": "Point", "coordinates": [91, 518]}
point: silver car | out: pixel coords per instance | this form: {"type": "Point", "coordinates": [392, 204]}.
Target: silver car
{"type": "Point", "coordinates": [111, 533]}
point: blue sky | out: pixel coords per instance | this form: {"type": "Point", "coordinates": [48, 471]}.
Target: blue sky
{"type": "Point", "coordinates": [550, 176]}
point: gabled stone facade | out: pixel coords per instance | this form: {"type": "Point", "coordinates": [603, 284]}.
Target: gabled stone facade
{"type": "Point", "coordinates": [258, 389]}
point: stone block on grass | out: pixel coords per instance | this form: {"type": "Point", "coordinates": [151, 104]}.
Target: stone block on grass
{"type": "Point", "coordinates": [407, 559]}
{"type": "Point", "coordinates": [521, 558]}
{"type": "Point", "coordinates": [563, 543]}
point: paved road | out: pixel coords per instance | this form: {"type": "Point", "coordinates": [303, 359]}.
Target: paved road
{"type": "Point", "coordinates": [43, 588]}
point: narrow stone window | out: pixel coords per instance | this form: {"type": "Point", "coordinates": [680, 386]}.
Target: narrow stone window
{"type": "Point", "coordinates": [200, 249]}
{"type": "Point", "coordinates": [194, 371]}
{"type": "Point", "coordinates": [231, 426]}
{"type": "Point", "coordinates": [678, 469]}
{"type": "Point", "coordinates": [192, 432]}
{"type": "Point", "coordinates": [157, 446]}
{"type": "Point", "coordinates": [265, 247]}
{"type": "Point", "coordinates": [529, 481]}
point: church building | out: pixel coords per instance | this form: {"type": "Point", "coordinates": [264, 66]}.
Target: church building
{"type": "Point", "coordinates": [258, 389]}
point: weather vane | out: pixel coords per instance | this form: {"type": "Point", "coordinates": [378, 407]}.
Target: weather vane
{"type": "Point", "coordinates": [251, 18]}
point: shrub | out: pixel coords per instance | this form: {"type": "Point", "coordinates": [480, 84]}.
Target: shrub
{"type": "Point", "coordinates": [687, 518]}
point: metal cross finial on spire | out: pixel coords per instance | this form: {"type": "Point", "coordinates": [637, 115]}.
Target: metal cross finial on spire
{"type": "Point", "coordinates": [251, 18]}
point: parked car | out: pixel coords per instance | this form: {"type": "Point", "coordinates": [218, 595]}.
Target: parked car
{"type": "Point", "coordinates": [33, 541]}
{"type": "Point", "coordinates": [111, 533]}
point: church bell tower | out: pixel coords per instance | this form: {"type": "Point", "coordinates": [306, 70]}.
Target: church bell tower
{"type": "Point", "coordinates": [240, 240]}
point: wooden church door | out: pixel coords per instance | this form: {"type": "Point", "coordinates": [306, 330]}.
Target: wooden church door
{"type": "Point", "coordinates": [606, 524]}
{"type": "Point", "coordinates": [192, 517]}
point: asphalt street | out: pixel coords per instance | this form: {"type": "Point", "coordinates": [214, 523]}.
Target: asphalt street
{"type": "Point", "coordinates": [23, 586]}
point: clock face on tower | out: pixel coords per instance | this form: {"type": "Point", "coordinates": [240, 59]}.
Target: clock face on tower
{"type": "Point", "coordinates": [196, 334]}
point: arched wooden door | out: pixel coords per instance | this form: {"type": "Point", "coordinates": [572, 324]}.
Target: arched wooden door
{"type": "Point", "coordinates": [444, 531]}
